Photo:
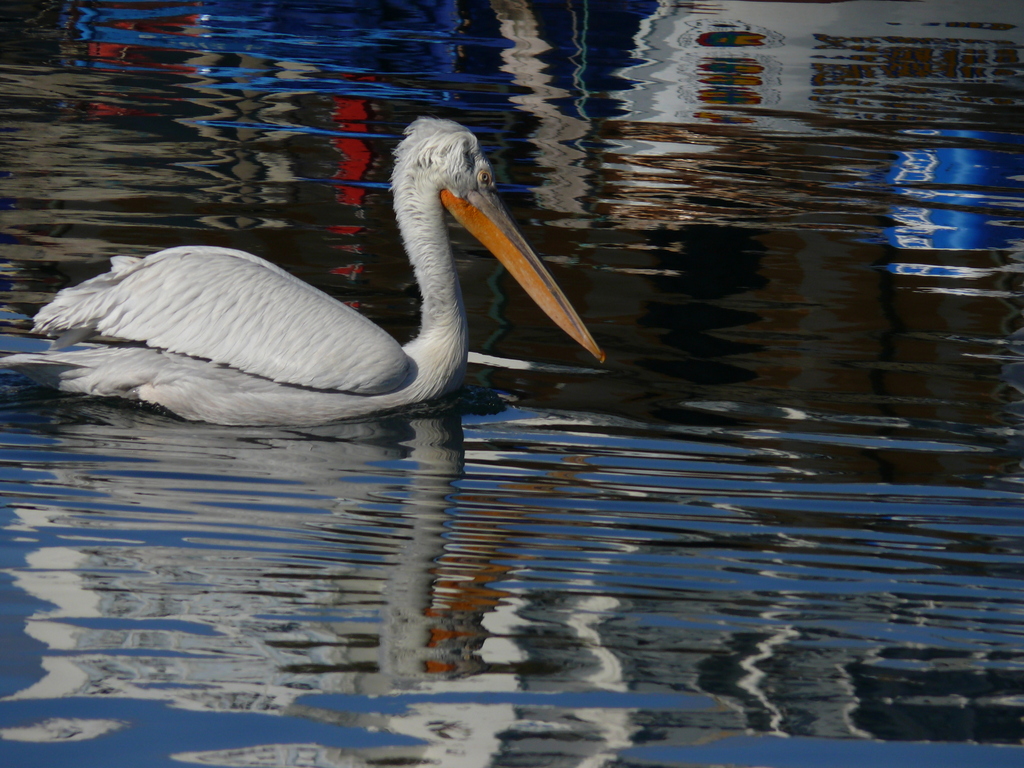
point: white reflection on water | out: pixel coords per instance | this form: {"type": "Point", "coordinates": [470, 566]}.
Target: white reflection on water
{"type": "Point", "coordinates": [62, 729]}
{"type": "Point", "coordinates": [520, 580]}
{"type": "Point", "coordinates": [221, 570]}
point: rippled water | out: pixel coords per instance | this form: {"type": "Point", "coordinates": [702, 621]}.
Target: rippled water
{"type": "Point", "coordinates": [789, 505]}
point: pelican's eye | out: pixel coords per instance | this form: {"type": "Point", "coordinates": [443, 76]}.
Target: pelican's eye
{"type": "Point", "coordinates": [484, 177]}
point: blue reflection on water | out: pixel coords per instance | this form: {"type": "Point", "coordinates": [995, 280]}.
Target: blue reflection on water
{"type": "Point", "coordinates": [373, 40]}
{"type": "Point", "coordinates": [985, 178]}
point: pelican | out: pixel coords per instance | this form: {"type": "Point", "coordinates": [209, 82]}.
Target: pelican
{"type": "Point", "coordinates": [222, 336]}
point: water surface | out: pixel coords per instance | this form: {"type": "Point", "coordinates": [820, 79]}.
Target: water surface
{"type": "Point", "coordinates": [781, 526]}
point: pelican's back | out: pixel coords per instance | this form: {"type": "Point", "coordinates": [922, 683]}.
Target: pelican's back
{"type": "Point", "coordinates": [232, 308]}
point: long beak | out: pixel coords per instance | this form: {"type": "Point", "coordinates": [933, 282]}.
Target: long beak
{"type": "Point", "coordinates": [486, 217]}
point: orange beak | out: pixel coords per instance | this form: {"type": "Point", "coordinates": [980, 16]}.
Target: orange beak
{"type": "Point", "coordinates": [487, 219]}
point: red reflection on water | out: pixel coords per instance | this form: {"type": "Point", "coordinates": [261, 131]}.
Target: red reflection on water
{"type": "Point", "coordinates": [350, 115]}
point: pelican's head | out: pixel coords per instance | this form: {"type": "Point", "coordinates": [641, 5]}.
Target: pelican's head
{"type": "Point", "coordinates": [440, 154]}
{"type": "Point", "coordinates": [443, 160]}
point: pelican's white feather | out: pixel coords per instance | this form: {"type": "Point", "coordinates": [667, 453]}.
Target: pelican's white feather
{"type": "Point", "coordinates": [193, 389]}
{"type": "Point", "coordinates": [231, 307]}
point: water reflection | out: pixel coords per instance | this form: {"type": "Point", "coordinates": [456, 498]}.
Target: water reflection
{"type": "Point", "coordinates": [242, 571]}
{"type": "Point", "coordinates": [246, 572]}
{"type": "Point", "coordinates": [789, 506]}
{"type": "Point", "coordinates": [511, 582]}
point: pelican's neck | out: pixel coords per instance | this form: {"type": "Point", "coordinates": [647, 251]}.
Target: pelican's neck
{"type": "Point", "coordinates": [441, 348]}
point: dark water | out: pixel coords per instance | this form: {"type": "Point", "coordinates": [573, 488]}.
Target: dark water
{"type": "Point", "coordinates": [782, 526]}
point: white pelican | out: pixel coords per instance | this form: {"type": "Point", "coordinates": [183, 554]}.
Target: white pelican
{"type": "Point", "coordinates": [225, 337]}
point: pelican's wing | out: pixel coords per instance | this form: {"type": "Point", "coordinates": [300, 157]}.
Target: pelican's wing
{"type": "Point", "coordinates": [234, 308]}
